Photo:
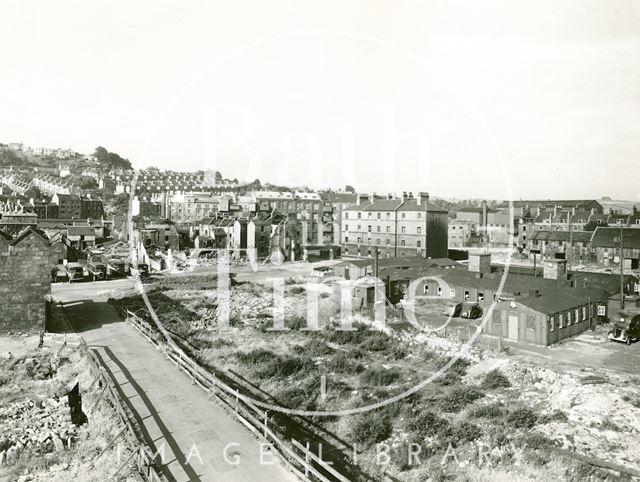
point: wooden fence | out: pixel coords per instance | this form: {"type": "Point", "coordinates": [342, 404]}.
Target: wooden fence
{"type": "Point", "coordinates": [145, 462]}
{"type": "Point", "coordinates": [298, 458]}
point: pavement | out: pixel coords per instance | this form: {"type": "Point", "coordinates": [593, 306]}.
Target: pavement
{"type": "Point", "coordinates": [175, 416]}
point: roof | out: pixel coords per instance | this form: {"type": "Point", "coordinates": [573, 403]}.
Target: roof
{"type": "Point", "coordinates": [28, 232]}
{"type": "Point", "coordinates": [474, 209]}
{"type": "Point", "coordinates": [576, 236]}
{"type": "Point", "coordinates": [565, 203]}
{"type": "Point", "coordinates": [81, 231]}
{"type": "Point", "coordinates": [393, 204]}
{"type": "Point", "coordinates": [339, 197]}
{"type": "Point", "coordinates": [605, 237]}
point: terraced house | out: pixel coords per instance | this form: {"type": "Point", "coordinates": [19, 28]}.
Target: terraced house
{"type": "Point", "coordinates": [404, 226]}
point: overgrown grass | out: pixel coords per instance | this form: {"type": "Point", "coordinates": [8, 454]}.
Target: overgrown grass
{"type": "Point", "coordinates": [495, 379]}
{"type": "Point", "coordinates": [380, 376]}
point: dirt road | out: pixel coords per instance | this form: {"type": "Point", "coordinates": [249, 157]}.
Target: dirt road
{"type": "Point", "coordinates": [200, 440]}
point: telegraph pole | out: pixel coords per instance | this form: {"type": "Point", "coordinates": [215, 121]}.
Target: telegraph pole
{"type": "Point", "coordinates": [621, 266]}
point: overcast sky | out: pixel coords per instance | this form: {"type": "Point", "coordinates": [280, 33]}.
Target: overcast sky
{"type": "Point", "coordinates": [459, 97]}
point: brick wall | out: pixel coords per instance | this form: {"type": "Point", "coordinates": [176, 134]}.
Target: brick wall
{"type": "Point", "coordinates": [25, 282]}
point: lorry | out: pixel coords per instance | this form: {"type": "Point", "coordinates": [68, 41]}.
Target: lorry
{"type": "Point", "coordinates": [75, 272]}
{"type": "Point", "coordinates": [97, 270]}
{"type": "Point", "coordinates": [116, 268]}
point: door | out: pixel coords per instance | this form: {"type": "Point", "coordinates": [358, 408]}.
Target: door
{"type": "Point", "coordinates": [513, 327]}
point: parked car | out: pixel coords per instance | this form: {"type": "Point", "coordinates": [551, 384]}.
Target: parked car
{"type": "Point", "coordinates": [471, 311]}
{"type": "Point", "coordinates": [452, 309]}
{"type": "Point", "coordinates": [97, 271]}
{"type": "Point", "coordinates": [627, 329]}
{"type": "Point", "coordinates": [59, 275]}
{"type": "Point", "coordinates": [116, 268]}
{"type": "Point", "coordinates": [75, 272]}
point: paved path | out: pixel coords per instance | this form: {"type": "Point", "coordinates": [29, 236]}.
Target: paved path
{"type": "Point", "coordinates": [173, 413]}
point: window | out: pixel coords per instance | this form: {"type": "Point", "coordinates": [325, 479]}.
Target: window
{"type": "Point", "coordinates": [346, 227]}
{"type": "Point", "coordinates": [346, 239]}
{"type": "Point", "coordinates": [552, 323]}
{"type": "Point", "coordinates": [439, 290]}
{"type": "Point", "coordinates": [419, 230]}
{"type": "Point", "coordinates": [377, 241]}
{"type": "Point", "coordinates": [359, 227]}
{"type": "Point", "coordinates": [480, 296]}
{"type": "Point", "coordinates": [379, 215]}
{"type": "Point", "coordinates": [404, 215]}
{"type": "Point", "coordinates": [388, 229]}
{"type": "Point", "coordinates": [584, 313]}
{"type": "Point", "coordinates": [369, 228]}
{"type": "Point", "coordinates": [531, 322]}
{"type": "Point", "coordinates": [346, 215]}
{"type": "Point", "coordinates": [402, 242]}
{"type": "Point", "coordinates": [378, 228]}
{"type": "Point", "coordinates": [576, 317]}
{"type": "Point", "coordinates": [466, 294]}
{"type": "Point", "coordinates": [419, 215]}
{"type": "Point", "coordinates": [359, 215]}
{"type": "Point", "coordinates": [419, 244]}
{"type": "Point", "coordinates": [368, 215]}
{"type": "Point", "coordinates": [359, 240]}
{"type": "Point", "coordinates": [452, 293]}
{"type": "Point", "coordinates": [388, 215]}
{"type": "Point", "coordinates": [387, 242]}
{"type": "Point", "coordinates": [426, 289]}
{"type": "Point", "coordinates": [560, 320]}
{"type": "Point", "coordinates": [403, 229]}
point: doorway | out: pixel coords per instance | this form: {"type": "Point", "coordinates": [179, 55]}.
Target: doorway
{"type": "Point", "coordinates": [513, 327]}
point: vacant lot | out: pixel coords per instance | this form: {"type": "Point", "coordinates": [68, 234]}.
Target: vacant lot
{"type": "Point", "coordinates": [38, 440]}
{"type": "Point", "coordinates": [521, 413]}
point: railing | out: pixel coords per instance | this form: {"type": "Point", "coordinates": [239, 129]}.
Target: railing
{"type": "Point", "coordinates": [145, 462]}
{"type": "Point", "coordinates": [298, 458]}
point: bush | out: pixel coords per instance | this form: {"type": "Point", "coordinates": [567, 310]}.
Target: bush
{"type": "Point", "coordinates": [427, 424]}
{"type": "Point", "coordinates": [398, 353]}
{"type": "Point", "coordinates": [495, 379]}
{"type": "Point", "coordinates": [282, 367]}
{"type": "Point", "coordinates": [555, 416]}
{"type": "Point", "coordinates": [459, 397]}
{"type": "Point", "coordinates": [344, 363]}
{"type": "Point", "coordinates": [371, 428]}
{"type": "Point", "coordinates": [492, 410]}
{"type": "Point", "coordinates": [255, 357]}
{"type": "Point", "coordinates": [522, 418]}
{"type": "Point", "coordinates": [313, 348]}
{"type": "Point", "coordinates": [296, 290]}
{"type": "Point", "coordinates": [536, 441]}
{"type": "Point", "coordinates": [459, 434]}
{"type": "Point", "coordinates": [298, 398]}
{"type": "Point", "coordinates": [376, 342]}
{"type": "Point", "coordinates": [380, 376]}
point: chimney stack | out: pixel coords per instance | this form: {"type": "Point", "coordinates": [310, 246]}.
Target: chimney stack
{"type": "Point", "coordinates": [422, 198]}
{"type": "Point", "coordinates": [484, 214]}
{"type": "Point", "coordinates": [404, 196]}
{"type": "Point", "coordinates": [480, 263]}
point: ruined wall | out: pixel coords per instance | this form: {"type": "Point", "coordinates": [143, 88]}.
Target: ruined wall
{"type": "Point", "coordinates": [25, 283]}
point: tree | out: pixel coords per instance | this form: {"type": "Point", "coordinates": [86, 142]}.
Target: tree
{"type": "Point", "coordinates": [86, 182]}
{"type": "Point", "coordinates": [111, 159]}
{"type": "Point", "coordinates": [350, 189]}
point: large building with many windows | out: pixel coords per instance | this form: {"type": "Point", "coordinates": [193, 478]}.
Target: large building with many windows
{"type": "Point", "coordinates": [404, 226]}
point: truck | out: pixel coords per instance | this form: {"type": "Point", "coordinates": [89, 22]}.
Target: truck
{"type": "Point", "coordinates": [116, 268]}
{"type": "Point", "coordinates": [75, 272]}
{"type": "Point", "coordinates": [97, 270]}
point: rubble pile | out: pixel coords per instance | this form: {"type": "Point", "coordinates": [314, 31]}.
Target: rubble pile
{"type": "Point", "coordinates": [42, 425]}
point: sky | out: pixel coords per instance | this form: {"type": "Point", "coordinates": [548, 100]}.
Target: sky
{"type": "Point", "coordinates": [460, 98]}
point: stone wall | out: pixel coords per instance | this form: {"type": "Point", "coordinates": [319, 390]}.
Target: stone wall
{"type": "Point", "coordinates": [25, 282]}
